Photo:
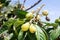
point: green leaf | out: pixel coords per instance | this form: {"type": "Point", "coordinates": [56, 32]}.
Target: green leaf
{"type": "Point", "coordinates": [3, 29]}
{"type": "Point", "coordinates": [10, 22]}
{"type": "Point", "coordinates": [20, 36]}
{"type": "Point", "coordinates": [30, 36]}
{"type": "Point", "coordinates": [40, 35]}
{"type": "Point", "coordinates": [15, 31]}
{"type": "Point", "coordinates": [2, 1]}
{"type": "Point", "coordinates": [21, 14]}
{"type": "Point", "coordinates": [45, 33]}
{"type": "Point", "coordinates": [18, 22]}
{"type": "Point", "coordinates": [55, 33]}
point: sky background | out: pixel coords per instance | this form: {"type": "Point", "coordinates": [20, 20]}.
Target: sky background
{"type": "Point", "coordinates": [53, 7]}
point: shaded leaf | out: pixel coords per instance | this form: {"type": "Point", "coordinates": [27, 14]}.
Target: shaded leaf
{"type": "Point", "coordinates": [3, 29]}
{"type": "Point", "coordinates": [30, 36]}
{"type": "Point", "coordinates": [55, 33]}
{"type": "Point", "coordinates": [20, 36]}
{"type": "Point", "coordinates": [21, 14]}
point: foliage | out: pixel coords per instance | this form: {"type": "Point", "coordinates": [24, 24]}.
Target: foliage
{"type": "Point", "coordinates": [13, 20]}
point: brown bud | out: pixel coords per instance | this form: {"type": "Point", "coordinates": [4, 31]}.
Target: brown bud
{"type": "Point", "coordinates": [47, 18]}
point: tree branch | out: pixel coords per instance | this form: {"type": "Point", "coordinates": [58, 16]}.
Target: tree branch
{"type": "Point", "coordinates": [33, 5]}
{"type": "Point", "coordinates": [24, 2]}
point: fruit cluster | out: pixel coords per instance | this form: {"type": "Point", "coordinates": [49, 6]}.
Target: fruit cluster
{"type": "Point", "coordinates": [27, 26]}
{"type": "Point", "coordinates": [30, 26]}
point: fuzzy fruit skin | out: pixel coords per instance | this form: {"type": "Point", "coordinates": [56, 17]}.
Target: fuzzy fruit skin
{"type": "Point", "coordinates": [45, 13]}
{"type": "Point", "coordinates": [25, 26]}
{"type": "Point", "coordinates": [32, 29]}
{"type": "Point", "coordinates": [29, 15]}
{"type": "Point", "coordinates": [38, 17]}
{"type": "Point", "coordinates": [1, 5]}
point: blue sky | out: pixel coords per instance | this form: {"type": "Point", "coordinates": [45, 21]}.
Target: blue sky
{"type": "Point", "coordinates": [53, 7]}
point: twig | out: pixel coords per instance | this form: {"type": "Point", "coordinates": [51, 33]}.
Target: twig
{"type": "Point", "coordinates": [24, 2]}
{"type": "Point", "coordinates": [33, 5]}
{"type": "Point", "coordinates": [40, 8]}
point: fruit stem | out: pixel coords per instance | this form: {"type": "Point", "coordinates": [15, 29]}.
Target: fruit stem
{"type": "Point", "coordinates": [39, 9]}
